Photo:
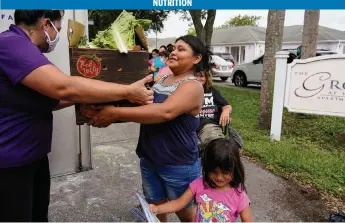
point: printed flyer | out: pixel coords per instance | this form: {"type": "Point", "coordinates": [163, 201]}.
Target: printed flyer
{"type": "Point", "coordinates": [149, 216]}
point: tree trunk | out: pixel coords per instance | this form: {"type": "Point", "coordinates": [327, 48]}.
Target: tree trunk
{"type": "Point", "coordinates": [310, 33]}
{"type": "Point", "coordinates": [309, 39]}
{"type": "Point", "coordinates": [204, 33]}
{"type": "Point", "coordinates": [211, 16]}
{"type": "Point", "coordinates": [199, 28]}
{"type": "Point", "coordinates": [273, 43]}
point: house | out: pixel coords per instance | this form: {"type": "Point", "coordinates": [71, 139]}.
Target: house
{"type": "Point", "coordinates": [156, 43]}
{"type": "Point", "coordinates": [244, 42]}
{"type": "Point", "coordinates": [248, 43]}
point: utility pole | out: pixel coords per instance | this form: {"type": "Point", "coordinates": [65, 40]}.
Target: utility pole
{"type": "Point", "coordinates": [156, 40]}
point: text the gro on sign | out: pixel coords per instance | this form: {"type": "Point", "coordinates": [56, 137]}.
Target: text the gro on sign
{"type": "Point", "coordinates": [316, 86]}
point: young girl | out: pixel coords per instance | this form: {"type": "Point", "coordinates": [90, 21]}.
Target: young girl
{"type": "Point", "coordinates": [220, 194]}
{"type": "Point", "coordinates": [164, 70]}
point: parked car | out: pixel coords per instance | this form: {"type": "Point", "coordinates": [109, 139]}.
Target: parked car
{"type": "Point", "coordinates": [226, 56]}
{"type": "Point", "coordinates": [251, 73]}
{"type": "Point", "coordinates": [221, 68]}
{"type": "Point", "coordinates": [319, 52]}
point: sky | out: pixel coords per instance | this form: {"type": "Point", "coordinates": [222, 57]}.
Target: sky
{"type": "Point", "coordinates": [174, 27]}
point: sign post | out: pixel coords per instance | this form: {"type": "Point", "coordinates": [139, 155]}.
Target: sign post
{"type": "Point", "coordinates": [278, 95]}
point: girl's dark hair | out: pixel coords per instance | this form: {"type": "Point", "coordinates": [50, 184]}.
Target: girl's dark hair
{"type": "Point", "coordinates": [31, 17]}
{"type": "Point", "coordinates": [198, 48]}
{"type": "Point", "coordinates": [155, 51]}
{"type": "Point", "coordinates": [223, 154]}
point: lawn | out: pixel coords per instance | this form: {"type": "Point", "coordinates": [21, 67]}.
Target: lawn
{"type": "Point", "coordinates": [312, 149]}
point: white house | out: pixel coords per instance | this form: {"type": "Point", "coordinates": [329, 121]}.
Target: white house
{"type": "Point", "coordinates": [156, 43]}
{"type": "Point", "coordinates": [247, 43]}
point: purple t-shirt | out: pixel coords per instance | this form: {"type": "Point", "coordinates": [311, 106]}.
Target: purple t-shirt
{"type": "Point", "coordinates": [217, 206]}
{"type": "Point", "coordinates": [26, 119]}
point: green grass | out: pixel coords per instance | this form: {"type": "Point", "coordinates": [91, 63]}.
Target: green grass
{"type": "Point", "coordinates": [312, 148]}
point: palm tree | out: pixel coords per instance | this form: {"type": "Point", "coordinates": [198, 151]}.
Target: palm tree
{"type": "Point", "coordinates": [310, 33]}
{"type": "Point", "coordinates": [273, 43]}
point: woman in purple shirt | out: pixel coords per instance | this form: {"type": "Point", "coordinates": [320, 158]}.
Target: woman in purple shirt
{"type": "Point", "coordinates": [31, 87]}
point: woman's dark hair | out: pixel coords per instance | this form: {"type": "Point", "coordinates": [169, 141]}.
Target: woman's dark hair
{"type": "Point", "coordinates": [223, 154]}
{"type": "Point", "coordinates": [155, 51]}
{"type": "Point", "coordinates": [170, 47]}
{"type": "Point", "coordinates": [163, 46]}
{"type": "Point", "coordinates": [198, 48]}
{"type": "Point", "coordinates": [164, 54]}
{"type": "Point", "coordinates": [31, 17]}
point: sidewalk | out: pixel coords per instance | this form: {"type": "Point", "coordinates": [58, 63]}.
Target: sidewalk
{"type": "Point", "coordinates": [108, 192]}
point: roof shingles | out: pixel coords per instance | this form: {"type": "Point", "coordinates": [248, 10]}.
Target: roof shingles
{"type": "Point", "coordinates": [249, 34]}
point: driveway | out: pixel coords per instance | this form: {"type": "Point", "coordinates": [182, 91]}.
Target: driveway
{"type": "Point", "coordinates": [107, 192]}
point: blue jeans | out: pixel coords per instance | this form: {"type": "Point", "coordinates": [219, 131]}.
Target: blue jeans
{"type": "Point", "coordinates": [167, 182]}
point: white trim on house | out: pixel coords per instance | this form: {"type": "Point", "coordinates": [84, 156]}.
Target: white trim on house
{"type": "Point", "coordinates": [321, 41]}
{"type": "Point", "coordinates": [237, 44]}
{"type": "Point", "coordinates": [288, 42]}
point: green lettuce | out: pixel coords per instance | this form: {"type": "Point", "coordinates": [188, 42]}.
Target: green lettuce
{"type": "Point", "coordinates": [121, 34]}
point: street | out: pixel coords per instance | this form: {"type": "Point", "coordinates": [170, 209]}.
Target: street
{"type": "Point", "coordinates": [107, 193]}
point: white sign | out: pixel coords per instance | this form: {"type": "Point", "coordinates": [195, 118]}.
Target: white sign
{"type": "Point", "coordinates": [312, 86]}
{"type": "Point", "coordinates": [316, 86]}
{"type": "Point", "coordinates": [6, 19]}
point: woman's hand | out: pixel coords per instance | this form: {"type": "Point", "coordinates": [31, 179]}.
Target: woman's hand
{"type": "Point", "coordinates": [153, 209]}
{"type": "Point", "coordinates": [225, 117]}
{"type": "Point", "coordinates": [105, 116]}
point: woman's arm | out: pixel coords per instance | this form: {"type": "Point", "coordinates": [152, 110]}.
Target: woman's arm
{"type": "Point", "coordinates": [188, 98]}
{"type": "Point", "coordinates": [50, 81]}
{"type": "Point", "coordinates": [173, 206]}
{"type": "Point", "coordinates": [63, 104]}
{"type": "Point", "coordinates": [227, 108]}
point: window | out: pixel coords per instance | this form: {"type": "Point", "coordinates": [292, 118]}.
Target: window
{"type": "Point", "coordinates": [227, 49]}
{"type": "Point", "coordinates": [343, 49]}
{"type": "Point", "coordinates": [243, 53]}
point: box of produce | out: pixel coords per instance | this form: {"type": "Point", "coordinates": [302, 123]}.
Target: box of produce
{"type": "Point", "coordinates": [117, 54]}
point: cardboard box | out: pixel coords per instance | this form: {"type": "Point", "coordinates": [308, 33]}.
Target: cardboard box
{"type": "Point", "coordinates": [105, 65]}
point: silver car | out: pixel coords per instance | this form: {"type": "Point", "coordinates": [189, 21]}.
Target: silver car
{"type": "Point", "coordinates": [221, 68]}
